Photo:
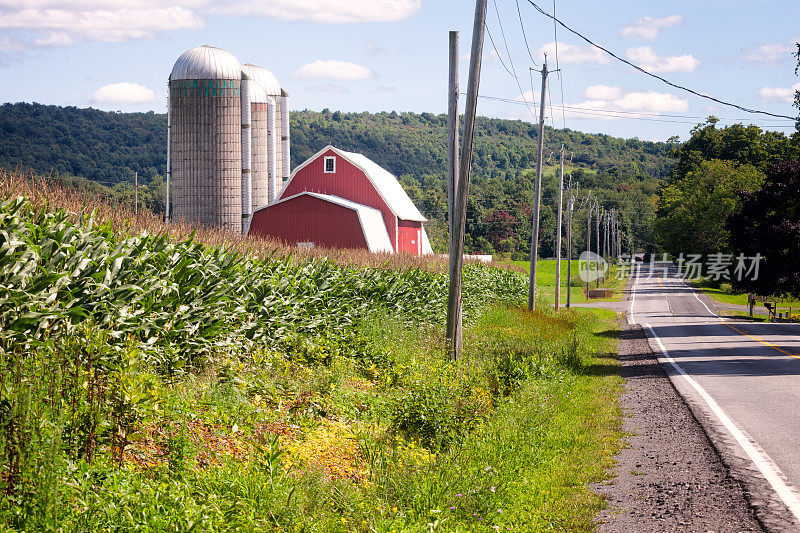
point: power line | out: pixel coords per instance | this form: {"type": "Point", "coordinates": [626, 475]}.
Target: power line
{"type": "Point", "coordinates": [525, 37]}
{"type": "Point", "coordinates": [550, 98]}
{"type": "Point", "coordinates": [635, 115]}
{"type": "Point", "coordinates": [510, 59]}
{"type": "Point", "coordinates": [664, 80]}
{"type": "Point", "coordinates": [497, 52]}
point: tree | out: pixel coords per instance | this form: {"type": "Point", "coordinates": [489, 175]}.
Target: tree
{"type": "Point", "coordinates": [500, 230]}
{"type": "Point", "coordinates": [769, 224]}
{"type": "Point", "coordinates": [692, 213]}
{"type": "Point", "coordinates": [797, 93]}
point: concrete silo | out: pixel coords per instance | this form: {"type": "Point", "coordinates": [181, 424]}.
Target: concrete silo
{"type": "Point", "coordinates": [279, 98]}
{"type": "Point", "coordinates": [205, 138]}
{"type": "Point", "coordinates": [263, 136]}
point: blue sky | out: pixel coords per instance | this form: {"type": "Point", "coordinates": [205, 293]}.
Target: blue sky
{"type": "Point", "coordinates": [374, 55]}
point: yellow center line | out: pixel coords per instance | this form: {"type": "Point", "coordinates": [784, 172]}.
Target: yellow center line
{"type": "Point", "coordinates": [755, 338]}
{"type": "Point", "coordinates": [669, 304]}
{"type": "Point", "coordinates": [762, 341]}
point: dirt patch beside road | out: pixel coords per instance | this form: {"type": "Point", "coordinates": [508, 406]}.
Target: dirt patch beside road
{"type": "Point", "coordinates": [669, 476]}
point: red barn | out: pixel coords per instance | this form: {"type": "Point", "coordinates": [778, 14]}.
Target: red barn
{"type": "Point", "coordinates": [340, 199]}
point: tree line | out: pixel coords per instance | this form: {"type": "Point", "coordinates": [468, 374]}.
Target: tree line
{"type": "Point", "coordinates": [732, 193]}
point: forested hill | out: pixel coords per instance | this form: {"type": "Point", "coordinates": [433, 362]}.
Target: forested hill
{"type": "Point", "coordinates": [410, 143]}
{"type": "Point", "coordinates": [109, 147]}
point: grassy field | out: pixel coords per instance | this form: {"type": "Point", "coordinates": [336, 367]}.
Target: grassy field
{"type": "Point", "coordinates": [152, 382]}
{"type": "Point", "coordinates": [546, 281]}
{"type": "Point", "coordinates": [724, 295]}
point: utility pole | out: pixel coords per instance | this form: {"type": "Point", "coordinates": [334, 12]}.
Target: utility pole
{"type": "Point", "coordinates": [606, 218]}
{"type": "Point", "coordinates": [614, 251]}
{"type": "Point", "coordinates": [136, 193]}
{"type": "Point", "coordinates": [452, 132]}
{"type": "Point", "coordinates": [597, 241]}
{"type": "Point", "coordinates": [538, 194]}
{"type": "Point", "coordinates": [452, 174]}
{"type": "Point", "coordinates": [570, 206]}
{"type": "Point", "coordinates": [558, 228]}
{"type": "Point", "coordinates": [460, 206]}
{"type": "Point", "coordinates": [589, 208]}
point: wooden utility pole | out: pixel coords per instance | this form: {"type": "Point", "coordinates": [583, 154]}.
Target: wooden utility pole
{"type": "Point", "coordinates": [461, 193]}
{"type": "Point", "coordinates": [605, 240]}
{"type": "Point", "coordinates": [452, 175]}
{"type": "Point", "coordinates": [136, 193]}
{"type": "Point", "coordinates": [589, 208]}
{"type": "Point", "coordinates": [538, 194]}
{"type": "Point", "coordinates": [558, 228]}
{"type": "Point", "coordinates": [597, 241]}
{"type": "Point", "coordinates": [452, 132]}
{"type": "Point", "coordinates": [570, 206]}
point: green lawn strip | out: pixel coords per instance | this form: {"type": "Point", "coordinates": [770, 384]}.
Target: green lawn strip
{"type": "Point", "coordinates": [546, 280]}
{"type": "Point", "coordinates": [728, 297]}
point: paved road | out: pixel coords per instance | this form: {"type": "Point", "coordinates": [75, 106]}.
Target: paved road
{"type": "Point", "coordinates": [742, 380]}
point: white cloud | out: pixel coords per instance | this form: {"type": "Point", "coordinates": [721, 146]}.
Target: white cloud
{"type": "Point", "coordinates": [647, 28]}
{"type": "Point", "coordinates": [605, 102]}
{"type": "Point", "coordinates": [54, 39]}
{"type": "Point", "coordinates": [7, 44]}
{"type": "Point", "coordinates": [123, 93]}
{"type": "Point", "coordinates": [645, 57]}
{"type": "Point", "coordinates": [325, 11]}
{"type": "Point", "coordinates": [63, 22]}
{"type": "Point", "coordinates": [602, 92]}
{"type": "Point", "coordinates": [652, 102]}
{"type": "Point", "coordinates": [570, 53]}
{"type": "Point", "coordinates": [769, 54]}
{"type": "Point", "coordinates": [63, 26]}
{"type": "Point", "coordinates": [779, 94]}
{"type": "Point", "coordinates": [333, 70]}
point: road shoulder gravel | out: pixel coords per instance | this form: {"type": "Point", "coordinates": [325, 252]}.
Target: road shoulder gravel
{"type": "Point", "coordinates": [669, 476]}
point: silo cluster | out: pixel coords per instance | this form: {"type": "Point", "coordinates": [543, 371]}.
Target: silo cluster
{"type": "Point", "coordinates": [228, 139]}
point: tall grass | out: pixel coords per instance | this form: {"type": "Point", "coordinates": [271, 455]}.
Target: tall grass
{"type": "Point", "coordinates": [46, 194]}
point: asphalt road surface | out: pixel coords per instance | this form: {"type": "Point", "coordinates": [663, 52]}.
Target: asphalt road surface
{"type": "Point", "coordinates": [741, 380]}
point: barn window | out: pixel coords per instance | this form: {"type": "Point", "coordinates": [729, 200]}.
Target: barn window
{"type": "Point", "coordinates": [305, 245]}
{"type": "Point", "coordinates": [330, 165]}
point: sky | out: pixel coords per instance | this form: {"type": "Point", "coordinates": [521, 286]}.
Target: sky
{"type": "Point", "coordinates": [385, 55]}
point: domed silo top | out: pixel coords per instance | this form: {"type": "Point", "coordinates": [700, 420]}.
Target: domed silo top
{"type": "Point", "coordinates": [264, 78]}
{"type": "Point", "coordinates": [257, 94]}
{"type": "Point", "coordinates": [206, 63]}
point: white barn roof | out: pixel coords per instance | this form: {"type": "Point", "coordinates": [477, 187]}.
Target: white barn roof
{"type": "Point", "coordinates": [384, 182]}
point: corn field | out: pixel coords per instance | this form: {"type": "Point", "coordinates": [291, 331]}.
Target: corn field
{"type": "Point", "coordinates": [98, 313]}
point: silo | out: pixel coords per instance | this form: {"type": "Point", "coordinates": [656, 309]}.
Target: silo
{"type": "Point", "coordinates": [259, 116]}
{"type": "Point", "coordinates": [286, 164]}
{"type": "Point", "coordinates": [272, 88]}
{"type": "Point", "coordinates": [205, 133]}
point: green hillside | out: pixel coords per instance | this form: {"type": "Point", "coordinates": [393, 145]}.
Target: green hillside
{"type": "Point", "coordinates": [110, 147]}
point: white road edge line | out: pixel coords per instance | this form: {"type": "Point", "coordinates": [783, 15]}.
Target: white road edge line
{"type": "Point", "coordinates": [694, 292]}
{"type": "Point", "coordinates": [761, 460]}
{"type": "Point", "coordinates": [631, 319]}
